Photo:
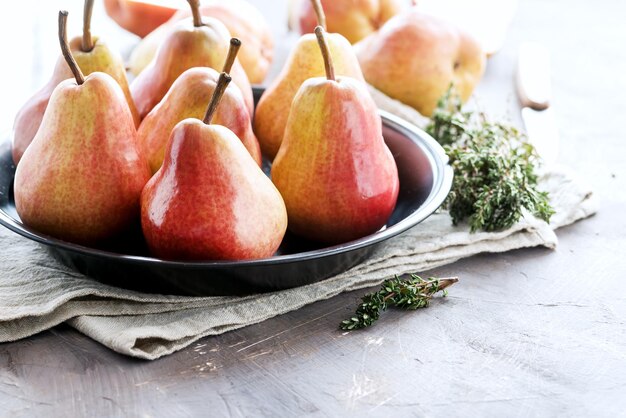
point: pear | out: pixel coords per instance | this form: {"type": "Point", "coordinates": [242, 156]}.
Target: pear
{"type": "Point", "coordinates": [243, 21]}
{"type": "Point", "coordinates": [81, 178]}
{"type": "Point", "coordinates": [415, 57]}
{"type": "Point", "coordinates": [91, 54]}
{"type": "Point", "coordinates": [28, 118]}
{"type": "Point", "coordinates": [188, 98]}
{"type": "Point", "coordinates": [140, 17]}
{"type": "Point", "coordinates": [201, 44]}
{"type": "Point", "coordinates": [334, 171]}
{"type": "Point", "coordinates": [210, 200]}
{"type": "Point", "coordinates": [303, 63]}
{"type": "Point", "coordinates": [353, 19]}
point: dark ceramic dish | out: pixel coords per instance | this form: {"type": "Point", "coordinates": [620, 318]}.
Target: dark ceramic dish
{"type": "Point", "coordinates": [425, 180]}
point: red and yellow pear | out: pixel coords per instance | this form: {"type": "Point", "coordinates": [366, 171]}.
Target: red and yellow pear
{"type": "Point", "coordinates": [210, 200]}
{"type": "Point", "coordinates": [200, 42]}
{"type": "Point", "coordinates": [337, 177]}
{"type": "Point", "coordinates": [81, 178]}
{"type": "Point", "coordinates": [354, 19]}
{"type": "Point", "coordinates": [415, 57]}
{"type": "Point", "coordinates": [304, 62]}
{"type": "Point", "coordinates": [188, 98]}
{"type": "Point", "coordinates": [242, 20]}
{"type": "Point", "coordinates": [140, 17]}
{"type": "Point", "coordinates": [91, 54]}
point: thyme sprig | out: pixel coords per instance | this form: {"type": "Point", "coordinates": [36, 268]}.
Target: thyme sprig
{"type": "Point", "coordinates": [412, 293]}
{"type": "Point", "coordinates": [449, 123]}
{"type": "Point", "coordinates": [494, 167]}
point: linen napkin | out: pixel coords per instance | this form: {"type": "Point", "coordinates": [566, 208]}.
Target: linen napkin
{"type": "Point", "coordinates": [37, 292]}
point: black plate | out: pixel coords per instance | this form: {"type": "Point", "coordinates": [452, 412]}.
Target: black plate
{"type": "Point", "coordinates": [425, 181]}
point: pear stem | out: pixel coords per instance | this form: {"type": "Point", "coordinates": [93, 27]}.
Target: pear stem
{"type": "Point", "coordinates": [319, 12]}
{"type": "Point", "coordinates": [65, 48]}
{"type": "Point", "coordinates": [220, 88]}
{"type": "Point", "coordinates": [195, 11]}
{"type": "Point", "coordinates": [87, 44]}
{"type": "Point", "coordinates": [328, 61]}
{"type": "Point", "coordinates": [235, 44]}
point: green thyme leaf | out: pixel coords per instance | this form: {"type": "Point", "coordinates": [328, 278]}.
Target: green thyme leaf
{"type": "Point", "coordinates": [412, 293]}
{"type": "Point", "coordinates": [494, 167]}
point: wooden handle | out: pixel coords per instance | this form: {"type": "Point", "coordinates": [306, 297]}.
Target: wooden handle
{"type": "Point", "coordinates": [533, 76]}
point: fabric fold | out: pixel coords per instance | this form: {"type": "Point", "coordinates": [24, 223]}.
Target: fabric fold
{"type": "Point", "coordinates": [37, 292]}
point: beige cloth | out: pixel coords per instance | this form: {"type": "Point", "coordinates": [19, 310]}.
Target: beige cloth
{"type": "Point", "coordinates": [37, 292]}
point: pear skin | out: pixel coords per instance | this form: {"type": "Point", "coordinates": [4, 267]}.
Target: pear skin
{"type": "Point", "coordinates": [138, 17]}
{"type": "Point", "coordinates": [353, 19]}
{"type": "Point", "coordinates": [243, 21]}
{"type": "Point", "coordinates": [210, 200]}
{"type": "Point", "coordinates": [186, 47]}
{"type": "Point", "coordinates": [188, 98]}
{"type": "Point", "coordinates": [246, 22]}
{"type": "Point", "coordinates": [29, 117]}
{"type": "Point", "coordinates": [303, 63]}
{"type": "Point", "coordinates": [100, 58]}
{"type": "Point", "coordinates": [415, 57]}
{"type": "Point", "coordinates": [104, 59]}
{"type": "Point", "coordinates": [337, 177]}
{"type": "Point", "coordinates": [81, 178]}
